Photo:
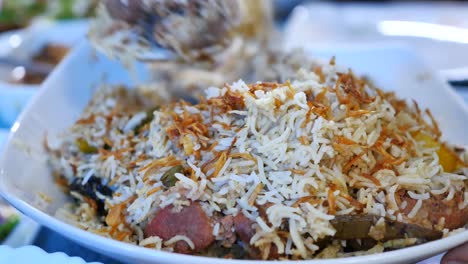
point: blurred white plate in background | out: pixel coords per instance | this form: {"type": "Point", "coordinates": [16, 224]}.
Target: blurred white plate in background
{"type": "Point", "coordinates": [438, 30]}
{"type": "Point", "coordinates": [23, 44]}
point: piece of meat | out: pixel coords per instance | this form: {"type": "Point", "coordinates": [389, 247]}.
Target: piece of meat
{"type": "Point", "coordinates": [227, 224]}
{"type": "Point", "coordinates": [359, 227]}
{"type": "Point", "coordinates": [353, 245]}
{"type": "Point", "coordinates": [273, 255]}
{"type": "Point", "coordinates": [226, 231]}
{"type": "Point", "coordinates": [245, 231]}
{"type": "Point", "coordinates": [191, 222]}
{"type": "Point", "coordinates": [434, 209]}
{"type": "Point", "coordinates": [243, 227]}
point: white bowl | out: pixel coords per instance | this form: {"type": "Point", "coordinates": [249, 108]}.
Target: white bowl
{"type": "Point", "coordinates": [13, 99]}
{"type": "Point", "coordinates": [3, 137]}
{"type": "Point", "coordinates": [26, 230]}
{"type": "Point", "coordinates": [24, 172]}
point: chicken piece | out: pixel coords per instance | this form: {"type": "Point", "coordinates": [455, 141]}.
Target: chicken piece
{"type": "Point", "coordinates": [191, 222]}
{"type": "Point", "coordinates": [243, 227]}
{"type": "Point", "coordinates": [226, 231]}
{"type": "Point", "coordinates": [433, 209]}
{"type": "Point", "coordinates": [245, 231]}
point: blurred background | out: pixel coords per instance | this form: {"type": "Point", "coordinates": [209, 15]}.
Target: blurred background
{"type": "Point", "coordinates": [35, 35]}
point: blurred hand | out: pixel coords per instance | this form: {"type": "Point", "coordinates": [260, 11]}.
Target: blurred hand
{"type": "Point", "coordinates": [457, 255]}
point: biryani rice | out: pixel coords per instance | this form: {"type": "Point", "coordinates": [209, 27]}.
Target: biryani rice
{"type": "Point", "coordinates": [325, 143]}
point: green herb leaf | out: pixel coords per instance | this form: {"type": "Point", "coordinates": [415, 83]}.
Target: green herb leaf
{"type": "Point", "coordinates": [169, 179]}
{"type": "Point", "coordinates": [8, 226]}
{"type": "Point", "coordinates": [85, 147]}
{"type": "Point", "coordinates": [147, 120]}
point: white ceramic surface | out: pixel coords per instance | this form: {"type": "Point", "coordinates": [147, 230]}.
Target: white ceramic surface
{"type": "Point", "coordinates": [26, 230]}
{"type": "Point", "coordinates": [13, 99]}
{"type": "Point", "coordinates": [3, 137]}
{"type": "Point", "coordinates": [32, 254]}
{"type": "Point", "coordinates": [24, 173]}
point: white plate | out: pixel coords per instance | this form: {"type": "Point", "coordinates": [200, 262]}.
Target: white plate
{"type": "Point", "coordinates": [31, 254]}
{"type": "Point", "coordinates": [24, 172]}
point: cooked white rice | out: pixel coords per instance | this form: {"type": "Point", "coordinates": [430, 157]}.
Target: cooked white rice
{"type": "Point", "coordinates": [325, 143]}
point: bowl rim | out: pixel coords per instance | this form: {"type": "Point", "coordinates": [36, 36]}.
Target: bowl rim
{"type": "Point", "coordinates": [109, 244]}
